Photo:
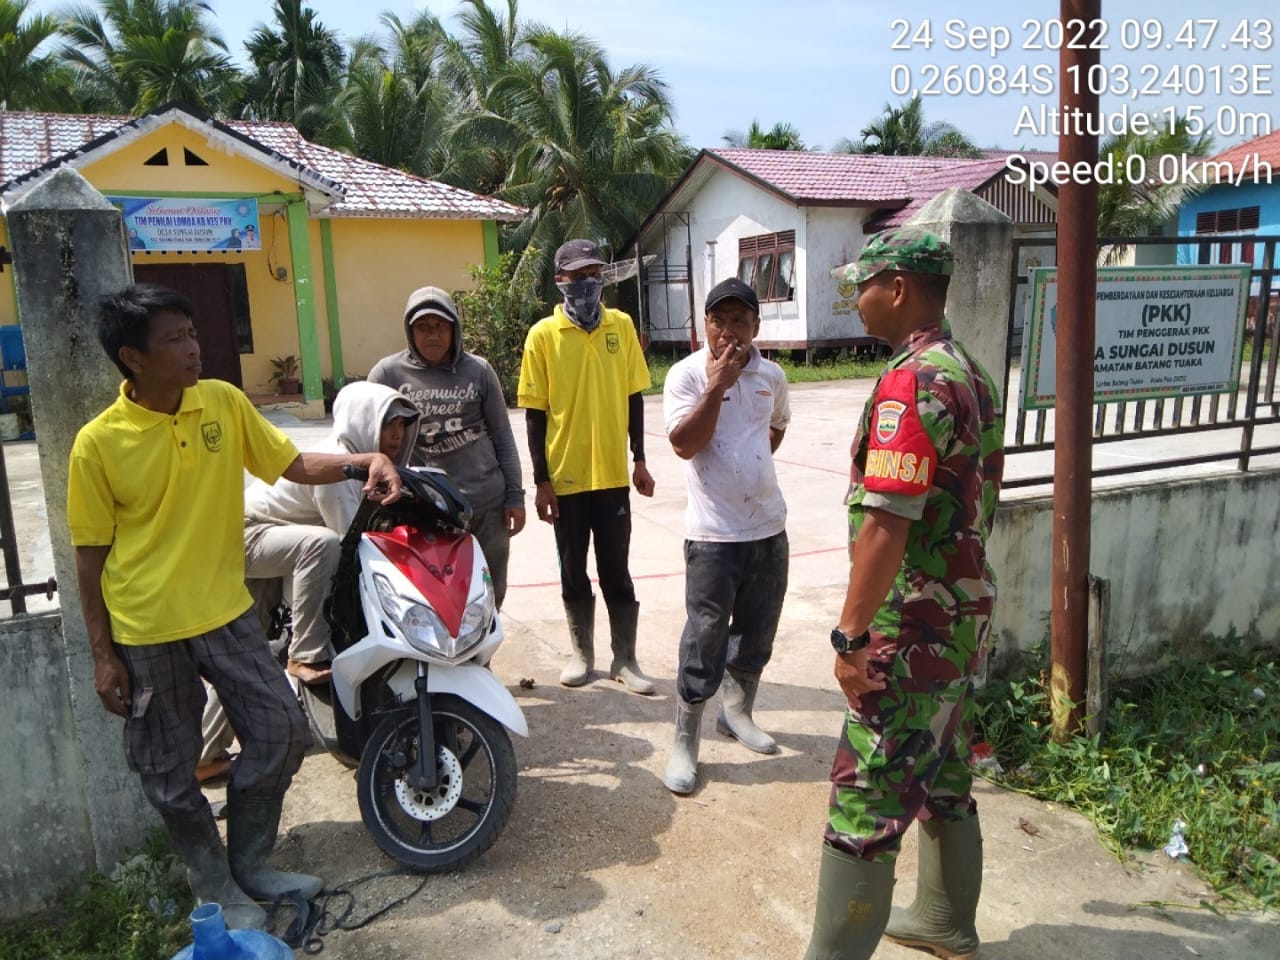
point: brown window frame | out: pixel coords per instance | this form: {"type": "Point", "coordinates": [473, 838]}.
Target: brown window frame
{"type": "Point", "coordinates": [769, 249]}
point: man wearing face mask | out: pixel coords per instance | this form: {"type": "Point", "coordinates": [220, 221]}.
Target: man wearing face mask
{"type": "Point", "coordinates": [581, 379]}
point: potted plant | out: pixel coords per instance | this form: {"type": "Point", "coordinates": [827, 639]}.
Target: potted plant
{"type": "Point", "coordinates": [285, 374]}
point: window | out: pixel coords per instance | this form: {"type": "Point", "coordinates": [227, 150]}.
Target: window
{"type": "Point", "coordinates": [1239, 220]}
{"type": "Point", "coordinates": [767, 262]}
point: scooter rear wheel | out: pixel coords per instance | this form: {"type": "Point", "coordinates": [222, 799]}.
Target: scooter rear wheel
{"type": "Point", "coordinates": [445, 828]}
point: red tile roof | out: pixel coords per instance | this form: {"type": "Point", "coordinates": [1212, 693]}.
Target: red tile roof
{"type": "Point", "coordinates": [1241, 156]}
{"type": "Point", "coordinates": [29, 141]}
{"type": "Point", "coordinates": [926, 186]}
{"type": "Point", "coordinates": [847, 178]}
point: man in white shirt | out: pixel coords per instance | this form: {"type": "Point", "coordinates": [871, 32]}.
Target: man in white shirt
{"type": "Point", "coordinates": [726, 410]}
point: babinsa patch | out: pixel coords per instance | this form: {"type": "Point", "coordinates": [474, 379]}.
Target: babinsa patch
{"type": "Point", "coordinates": [212, 433]}
{"type": "Point", "coordinates": [611, 342]}
{"type": "Point", "coordinates": [888, 417]}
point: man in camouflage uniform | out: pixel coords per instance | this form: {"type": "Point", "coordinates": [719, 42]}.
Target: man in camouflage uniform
{"type": "Point", "coordinates": [927, 462]}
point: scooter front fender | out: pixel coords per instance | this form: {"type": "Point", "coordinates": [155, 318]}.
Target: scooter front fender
{"type": "Point", "coordinates": [473, 683]}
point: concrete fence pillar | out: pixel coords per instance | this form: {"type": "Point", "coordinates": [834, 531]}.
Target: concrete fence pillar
{"type": "Point", "coordinates": [978, 299]}
{"type": "Point", "coordinates": [69, 248]}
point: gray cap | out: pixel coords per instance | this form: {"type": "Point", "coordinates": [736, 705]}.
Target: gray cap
{"type": "Point", "coordinates": [427, 300]}
{"type": "Point", "coordinates": [576, 254]}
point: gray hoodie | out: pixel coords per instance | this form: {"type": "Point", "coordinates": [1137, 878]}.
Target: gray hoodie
{"type": "Point", "coordinates": [465, 429]}
{"type": "Point", "coordinates": [359, 410]}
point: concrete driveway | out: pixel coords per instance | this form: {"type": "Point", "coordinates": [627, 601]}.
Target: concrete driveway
{"type": "Point", "coordinates": [600, 860]}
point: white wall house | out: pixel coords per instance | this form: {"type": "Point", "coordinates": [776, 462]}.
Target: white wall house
{"type": "Point", "coordinates": [781, 220]}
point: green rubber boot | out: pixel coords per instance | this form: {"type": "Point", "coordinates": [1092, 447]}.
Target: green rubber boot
{"type": "Point", "coordinates": [854, 896]}
{"type": "Point", "coordinates": [581, 615]}
{"type": "Point", "coordinates": [947, 891]}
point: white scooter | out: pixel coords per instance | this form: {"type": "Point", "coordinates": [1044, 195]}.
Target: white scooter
{"type": "Point", "coordinates": [411, 699]}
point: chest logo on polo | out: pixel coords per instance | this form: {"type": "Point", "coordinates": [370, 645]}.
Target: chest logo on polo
{"type": "Point", "coordinates": [888, 418]}
{"type": "Point", "coordinates": [212, 433]}
{"type": "Point", "coordinates": [611, 342]}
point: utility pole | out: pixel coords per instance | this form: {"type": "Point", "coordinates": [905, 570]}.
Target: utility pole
{"type": "Point", "coordinates": [1073, 412]}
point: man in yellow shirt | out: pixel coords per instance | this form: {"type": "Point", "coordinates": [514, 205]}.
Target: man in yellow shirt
{"type": "Point", "coordinates": [155, 502]}
{"type": "Point", "coordinates": [581, 379]}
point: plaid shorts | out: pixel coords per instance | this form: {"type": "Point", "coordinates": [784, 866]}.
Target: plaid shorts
{"type": "Point", "coordinates": [162, 735]}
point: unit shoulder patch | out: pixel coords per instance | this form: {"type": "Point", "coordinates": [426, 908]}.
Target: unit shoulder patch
{"type": "Point", "coordinates": [900, 456]}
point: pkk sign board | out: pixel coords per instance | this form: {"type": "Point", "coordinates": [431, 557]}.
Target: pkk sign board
{"type": "Point", "coordinates": [1160, 332]}
{"type": "Point", "coordinates": [190, 223]}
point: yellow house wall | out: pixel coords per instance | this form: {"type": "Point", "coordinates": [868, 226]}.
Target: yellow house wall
{"type": "Point", "coordinates": [8, 295]}
{"type": "Point", "coordinates": [379, 263]}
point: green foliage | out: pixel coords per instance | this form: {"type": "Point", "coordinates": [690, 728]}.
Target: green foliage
{"type": "Point", "coordinates": [284, 368]}
{"type": "Point", "coordinates": [1196, 742]}
{"type": "Point", "coordinates": [902, 131]}
{"type": "Point", "coordinates": [139, 913]}
{"type": "Point", "coordinates": [497, 314]}
{"type": "Point", "coordinates": [781, 136]}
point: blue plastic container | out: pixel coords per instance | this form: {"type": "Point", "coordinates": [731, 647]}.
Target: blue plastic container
{"type": "Point", "coordinates": [213, 941]}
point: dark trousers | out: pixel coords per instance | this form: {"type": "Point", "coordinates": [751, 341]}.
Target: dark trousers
{"type": "Point", "coordinates": [733, 596]}
{"type": "Point", "coordinates": [605, 517]}
{"type": "Point", "coordinates": [162, 734]}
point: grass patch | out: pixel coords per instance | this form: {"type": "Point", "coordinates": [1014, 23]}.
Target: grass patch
{"type": "Point", "coordinates": [841, 366]}
{"type": "Point", "coordinates": [1196, 742]}
{"type": "Point", "coordinates": [139, 913]}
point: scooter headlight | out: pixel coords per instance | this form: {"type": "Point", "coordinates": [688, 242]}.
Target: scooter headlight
{"type": "Point", "coordinates": [476, 621]}
{"type": "Point", "coordinates": [422, 626]}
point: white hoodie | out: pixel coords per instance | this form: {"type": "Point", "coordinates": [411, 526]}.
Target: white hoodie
{"type": "Point", "coordinates": [359, 411]}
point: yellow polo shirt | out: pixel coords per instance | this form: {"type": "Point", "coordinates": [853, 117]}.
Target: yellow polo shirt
{"type": "Point", "coordinates": [582, 380]}
{"type": "Point", "coordinates": [166, 493]}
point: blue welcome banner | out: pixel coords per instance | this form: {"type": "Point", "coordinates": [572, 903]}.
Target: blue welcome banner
{"type": "Point", "coordinates": [190, 223]}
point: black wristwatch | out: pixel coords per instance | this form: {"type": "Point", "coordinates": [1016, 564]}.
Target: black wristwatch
{"type": "Point", "coordinates": [844, 643]}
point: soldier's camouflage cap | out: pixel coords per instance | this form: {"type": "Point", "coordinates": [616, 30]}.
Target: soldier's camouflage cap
{"type": "Point", "coordinates": [907, 249]}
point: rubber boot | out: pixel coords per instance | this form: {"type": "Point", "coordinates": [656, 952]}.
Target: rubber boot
{"type": "Point", "coordinates": [251, 835]}
{"type": "Point", "coordinates": [623, 620]}
{"type": "Point", "coordinates": [682, 769]}
{"type": "Point", "coordinates": [950, 881]}
{"type": "Point", "coordinates": [581, 615]}
{"type": "Point", "coordinates": [854, 896]}
{"type": "Point", "coordinates": [196, 842]}
{"type": "Point", "coordinates": [737, 698]}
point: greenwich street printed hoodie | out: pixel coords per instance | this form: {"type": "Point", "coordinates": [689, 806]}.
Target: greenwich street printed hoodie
{"type": "Point", "coordinates": [465, 429]}
{"type": "Point", "coordinates": [359, 410]}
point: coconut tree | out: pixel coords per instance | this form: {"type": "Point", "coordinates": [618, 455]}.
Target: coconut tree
{"type": "Point", "coordinates": [1137, 208]}
{"type": "Point", "coordinates": [29, 80]}
{"type": "Point", "coordinates": [903, 131]}
{"type": "Point", "coordinates": [134, 55]}
{"type": "Point", "coordinates": [595, 149]}
{"type": "Point", "coordinates": [298, 63]}
{"type": "Point", "coordinates": [781, 136]}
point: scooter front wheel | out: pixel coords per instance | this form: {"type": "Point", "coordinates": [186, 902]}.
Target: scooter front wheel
{"type": "Point", "coordinates": [444, 828]}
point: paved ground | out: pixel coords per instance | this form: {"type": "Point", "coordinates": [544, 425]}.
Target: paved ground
{"type": "Point", "coordinates": [599, 860]}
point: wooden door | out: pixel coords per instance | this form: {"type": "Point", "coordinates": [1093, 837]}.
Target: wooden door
{"type": "Point", "coordinates": [208, 287]}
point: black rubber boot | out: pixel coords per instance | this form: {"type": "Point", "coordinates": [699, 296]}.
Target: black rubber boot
{"type": "Point", "coordinates": [581, 615]}
{"type": "Point", "coordinates": [624, 619]}
{"type": "Point", "coordinates": [854, 896]}
{"type": "Point", "coordinates": [737, 699]}
{"type": "Point", "coordinates": [252, 825]}
{"type": "Point", "coordinates": [196, 842]}
{"type": "Point", "coordinates": [947, 889]}
{"type": "Point", "coordinates": [682, 769]}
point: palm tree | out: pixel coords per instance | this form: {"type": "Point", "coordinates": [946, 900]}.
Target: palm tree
{"type": "Point", "coordinates": [902, 131]}
{"type": "Point", "coordinates": [29, 81]}
{"type": "Point", "coordinates": [134, 55]}
{"type": "Point", "coordinates": [595, 149]}
{"type": "Point", "coordinates": [1128, 208]}
{"type": "Point", "coordinates": [297, 65]}
{"type": "Point", "coordinates": [781, 136]}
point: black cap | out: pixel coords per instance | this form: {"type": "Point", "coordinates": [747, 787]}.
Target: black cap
{"type": "Point", "coordinates": [732, 289]}
{"type": "Point", "coordinates": [576, 254]}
